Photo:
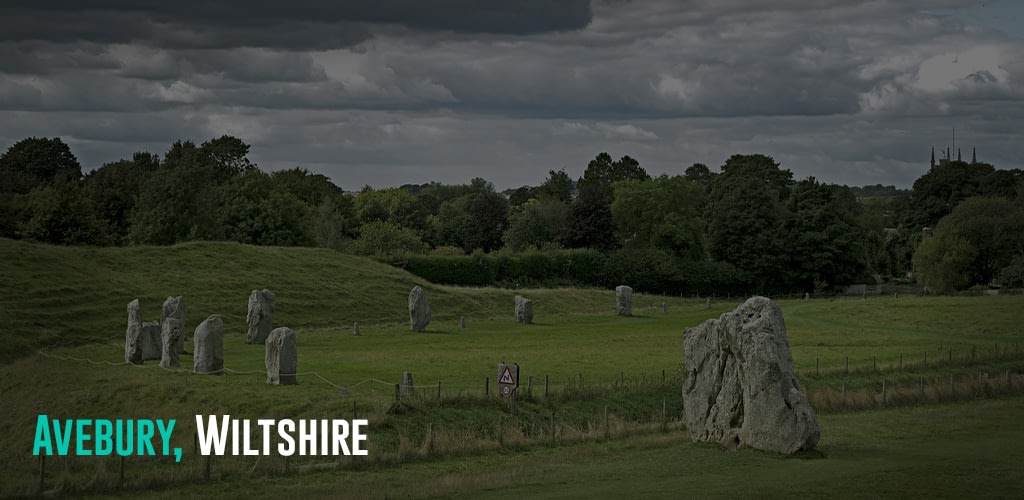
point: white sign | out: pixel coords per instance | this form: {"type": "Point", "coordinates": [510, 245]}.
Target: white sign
{"type": "Point", "coordinates": [508, 378]}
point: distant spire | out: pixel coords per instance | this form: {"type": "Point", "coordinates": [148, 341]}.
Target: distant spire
{"type": "Point", "coordinates": [958, 154]}
{"type": "Point", "coordinates": [933, 156]}
{"type": "Point", "coordinates": [974, 155]}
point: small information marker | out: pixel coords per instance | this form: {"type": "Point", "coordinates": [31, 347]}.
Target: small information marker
{"type": "Point", "coordinates": [508, 379]}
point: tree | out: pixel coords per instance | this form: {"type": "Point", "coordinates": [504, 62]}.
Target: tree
{"type": "Point", "coordinates": [558, 186]}
{"type": "Point", "coordinates": [700, 174]}
{"type": "Point", "coordinates": [386, 238]}
{"type": "Point", "coordinates": [255, 210]}
{"type": "Point", "coordinates": [662, 213]}
{"type": "Point", "coordinates": [227, 155]}
{"type": "Point", "coordinates": [589, 222]}
{"type": "Point", "coordinates": [823, 238]}
{"type": "Point", "coordinates": [537, 225]}
{"type": "Point", "coordinates": [35, 162]}
{"type": "Point", "coordinates": [745, 217]}
{"type": "Point", "coordinates": [61, 215]}
{"type": "Point", "coordinates": [114, 190]}
{"type": "Point", "coordinates": [972, 245]}
{"type": "Point", "coordinates": [941, 189]}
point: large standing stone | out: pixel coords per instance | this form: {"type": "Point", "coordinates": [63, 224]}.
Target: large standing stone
{"type": "Point", "coordinates": [133, 335]}
{"type": "Point", "coordinates": [175, 307]}
{"type": "Point", "coordinates": [208, 347]}
{"type": "Point", "coordinates": [282, 357]}
{"type": "Point", "coordinates": [419, 309]}
{"type": "Point", "coordinates": [740, 387]}
{"type": "Point", "coordinates": [260, 316]}
{"type": "Point", "coordinates": [624, 300]}
{"type": "Point", "coordinates": [524, 309]}
{"type": "Point", "coordinates": [152, 346]}
{"type": "Point", "coordinates": [170, 334]}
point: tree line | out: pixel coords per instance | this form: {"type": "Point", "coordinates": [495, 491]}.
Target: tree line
{"type": "Point", "coordinates": [749, 227]}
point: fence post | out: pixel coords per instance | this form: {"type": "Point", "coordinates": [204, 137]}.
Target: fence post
{"type": "Point", "coordinates": [398, 393]}
{"type": "Point", "coordinates": [42, 472]}
{"type": "Point", "coordinates": [664, 414]}
{"type": "Point", "coordinates": [552, 426]}
{"type": "Point", "coordinates": [883, 392]}
{"type": "Point", "coordinates": [901, 361]}
{"type": "Point", "coordinates": [922, 388]}
{"type": "Point", "coordinates": [545, 386]}
{"type": "Point", "coordinates": [487, 386]}
{"type": "Point", "coordinates": [843, 390]}
{"type": "Point", "coordinates": [607, 428]}
{"type": "Point", "coordinates": [438, 390]}
{"type": "Point", "coordinates": [529, 386]}
{"type": "Point", "coordinates": [846, 369]}
{"type": "Point", "coordinates": [817, 371]}
{"type": "Point", "coordinates": [622, 377]}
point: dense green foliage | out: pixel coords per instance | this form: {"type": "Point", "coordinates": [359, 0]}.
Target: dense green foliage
{"type": "Point", "coordinates": [751, 226]}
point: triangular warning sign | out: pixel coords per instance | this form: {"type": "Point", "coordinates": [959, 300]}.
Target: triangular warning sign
{"type": "Point", "coordinates": [506, 377]}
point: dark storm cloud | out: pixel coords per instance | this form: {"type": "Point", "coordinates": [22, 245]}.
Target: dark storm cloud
{"type": "Point", "coordinates": [298, 24]}
{"type": "Point", "coordinates": [397, 91]}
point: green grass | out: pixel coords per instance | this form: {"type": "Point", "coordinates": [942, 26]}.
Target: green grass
{"type": "Point", "coordinates": [71, 302]}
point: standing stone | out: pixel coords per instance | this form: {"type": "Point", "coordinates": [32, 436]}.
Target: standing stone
{"type": "Point", "coordinates": [740, 388]}
{"type": "Point", "coordinates": [524, 309]}
{"type": "Point", "coordinates": [152, 346]}
{"type": "Point", "coordinates": [282, 357]}
{"type": "Point", "coordinates": [624, 300]}
{"type": "Point", "coordinates": [133, 335]}
{"type": "Point", "coordinates": [170, 334]}
{"type": "Point", "coordinates": [208, 344]}
{"type": "Point", "coordinates": [406, 388]}
{"type": "Point", "coordinates": [462, 322]}
{"type": "Point", "coordinates": [419, 309]}
{"type": "Point", "coordinates": [355, 329]}
{"type": "Point", "coordinates": [175, 307]}
{"type": "Point", "coordinates": [260, 316]}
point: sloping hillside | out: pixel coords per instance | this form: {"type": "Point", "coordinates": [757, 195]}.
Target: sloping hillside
{"type": "Point", "coordinates": [51, 293]}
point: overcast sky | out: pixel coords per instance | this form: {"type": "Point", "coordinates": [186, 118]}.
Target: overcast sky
{"type": "Point", "coordinates": [390, 92]}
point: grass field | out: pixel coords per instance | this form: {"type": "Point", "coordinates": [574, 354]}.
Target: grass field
{"type": "Point", "coordinates": [613, 381]}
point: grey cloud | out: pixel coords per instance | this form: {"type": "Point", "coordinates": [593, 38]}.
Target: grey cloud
{"type": "Point", "coordinates": [299, 24]}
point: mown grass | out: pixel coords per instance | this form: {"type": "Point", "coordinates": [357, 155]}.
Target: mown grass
{"type": "Point", "coordinates": [73, 300]}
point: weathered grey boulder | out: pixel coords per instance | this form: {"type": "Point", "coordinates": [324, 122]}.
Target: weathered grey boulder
{"type": "Point", "coordinates": [208, 347]}
{"type": "Point", "coordinates": [740, 387]}
{"type": "Point", "coordinates": [419, 309]}
{"type": "Point", "coordinates": [175, 307]}
{"type": "Point", "coordinates": [624, 300]}
{"type": "Point", "coordinates": [133, 335]}
{"type": "Point", "coordinates": [170, 334]}
{"type": "Point", "coordinates": [260, 316]}
{"type": "Point", "coordinates": [152, 345]}
{"type": "Point", "coordinates": [524, 309]}
{"type": "Point", "coordinates": [407, 387]}
{"type": "Point", "coordinates": [282, 357]}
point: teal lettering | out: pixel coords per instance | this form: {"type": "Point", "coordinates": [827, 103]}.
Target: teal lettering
{"type": "Point", "coordinates": [125, 440]}
{"type": "Point", "coordinates": [146, 437]}
{"type": "Point", "coordinates": [104, 435]}
{"type": "Point", "coordinates": [63, 439]}
{"type": "Point", "coordinates": [42, 436]}
{"type": "Point", "coordinates": [81, 436]}
{"type": "Point", "coordinates": [165, 434]}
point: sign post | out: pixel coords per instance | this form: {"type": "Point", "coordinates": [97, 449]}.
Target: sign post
{"type": "Point", "coordinates": [508, 379]}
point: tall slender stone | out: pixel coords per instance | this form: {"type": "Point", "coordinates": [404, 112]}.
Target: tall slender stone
{"type": "Point", "coordinates": [282, 357]}
{"type": "Point", "coordinates": [419, 309]}
{"type": "Point", "coordinates": [152, 346]}
{"type": "Point", "coordinates": [170, 334]}
{"type": "Point", "coordinates": [208, 347]}
{"type": "Point", "coordinates": [624, 300]}
{"type": "Point", "coordinates": [175, 307]}
{"type": "Point", "coordinates": [260, 316]}
{"type": "Point", "coordinates": [133, 335]}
